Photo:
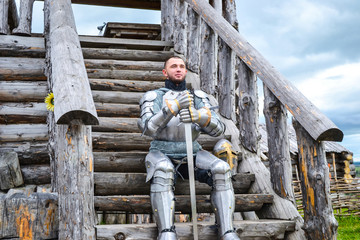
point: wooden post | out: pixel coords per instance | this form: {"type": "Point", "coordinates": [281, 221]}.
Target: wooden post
{"type": "Point", "coordinates": [193, 49]}
{"type": "Point", "coordinates": [10, 173]}
{"type": "Point", "coordinates": [208, 59]}
{"type": "Point", "coordinates": [4, 13]}
{"type": "Point", "coordinates": [75, 181]}
{"type": "Point", "coordinates": [334, 166]}
{"type": "Point", "coordinates": [73, 98]}
{"type": "Point", "coordinates": [320, 222]}
{"type": "Point", "coordinates": [13, 15]}
{"type": "Point", "coordinates": [181, 27]}
{"type": "Point", "coordinates": [227, 66]}
{"type": "Point", "coordinates": [248, 109]}
{"type": "Point", "coordinates": [316, 123]}
{"type": "Point", "coordinates": [167, 20]}
{"type": "Point", "coordinates": [24, 27]}
{"type": "Point", "coordinates": [278, 144]}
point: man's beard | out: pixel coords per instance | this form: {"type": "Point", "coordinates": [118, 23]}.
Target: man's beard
{"type": "Point", "coordinates": [176, 81]}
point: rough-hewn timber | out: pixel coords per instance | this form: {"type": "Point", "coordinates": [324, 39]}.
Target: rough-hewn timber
{"type": "Point", "coordinates": [316, 123]}
{"type": "Point", "coordinates": [10, 174]}
{"type": "Point", "coordinates": [194, 33]}
{"type": "Point", "coordinates": [24, 26]}
{"type": "Point", "coordinates": [181, 26]}
{"type": "Point", "coordinates": [13, 15]}
{"type": "Point", "coordinates": [4, 13]}
{"type": "Point", "coordinates": [320, 222]}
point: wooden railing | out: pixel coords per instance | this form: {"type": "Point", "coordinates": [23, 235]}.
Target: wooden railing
{"type": "Point", "coordinates": [203, 50]}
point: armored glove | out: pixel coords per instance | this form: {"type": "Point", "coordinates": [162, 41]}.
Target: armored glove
{"type": "Point", "coordinates": [183, 101]}
{"type": "Point", "coordinates": [201, 116]}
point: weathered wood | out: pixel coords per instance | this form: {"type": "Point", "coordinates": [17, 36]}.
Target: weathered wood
{"type": "Point", "coordinates": [4, 15]}
{"type": "Point", "coordinates": [36, 174]}
{"type": "Point", "coordinates": [123, 64]}
{"type": "Point", "coordinates": [23, 132]}
{"type": "Point", "coordinates": [117, 110]}
{"type": "Point", "coordinates": [10, 174]}
{"type": "Point", "coordinates": [247, 230]}
{"type": "Point", "coordinates": [142, 4]}
{"type": "Point", "coordinates": [28, 215]}
{"type": "Point", "coordinates": [278, 143]}
{"type": "Point", "coordinates": [107, 124]}
{"type": "Point", "coordinates": [142, 204]}
{"type": "Point", "coordinates": [68, 73]}
{"type": "Point", "coordinates": [126, 54]}
{"type": "Point", "coordinates": [120, 161]}
{"type": "Point", "coordinates": [316, 123]}
{"type": "Point", "coordinates": [248, 109]}
{"type": "Point", "coordinates": [126, 74]}
{"type": "Point", "coordinates": [134, 141]}
{"type": "Point", "coordinates": [21, 91]}
{"type": "Point", "coordinates": [24, 27]}
{"type": "Point", "coordinates": [132, 30]}
{"type": "Point", "coordinates": [134, 183]}
{"type": "Point", "coordinates": [13, 19]}
{"type": "Point", "coordinates": [117, 97]}
{"type": "Point", "coordinates": [167, 20]}
{"type": "Point", "coordinates": [181, 26]}
{"type": "Point", "coordinates": [124, 85]}
{"type": "Point", "coordinates": [194, 35]}
{"type": "Point", "coordinates": [17, 46]}
{"type": "Point", "coordinates": [74, 181]}
{"type": "Point", "coordinates": [320, 222]}
{"type": "Point", "coordinates": [21, 113]}
{"type": "Point", "coordinates": [28, 152]}
{"type": "Point", "coordinates": [22, 69]}
{"type": "Point", "coordinates": [226, 69]}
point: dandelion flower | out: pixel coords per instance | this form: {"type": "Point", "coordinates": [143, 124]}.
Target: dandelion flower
{"type": "Point", "coordinates": [49, 100]}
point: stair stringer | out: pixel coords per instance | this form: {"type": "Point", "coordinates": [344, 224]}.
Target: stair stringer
{"type": "Point", "coordinates": [280, 208]}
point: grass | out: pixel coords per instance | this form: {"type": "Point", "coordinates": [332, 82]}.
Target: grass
{"type": "Point", "coordinates": [349, 228]}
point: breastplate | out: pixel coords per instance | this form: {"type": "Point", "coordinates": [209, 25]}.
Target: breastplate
{"type": "Point", "coordinates": [175, 130]}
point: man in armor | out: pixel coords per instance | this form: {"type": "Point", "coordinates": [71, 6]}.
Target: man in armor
{"type": "Point", "coordinates": [162, 113]}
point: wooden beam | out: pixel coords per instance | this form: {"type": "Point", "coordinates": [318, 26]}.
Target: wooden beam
{"type": "Point", "coordinates": [314, 121]}
{"type": "Point", "coordinates": [4, 15]}
{"type": "Point", "coordinates": [28, 152]}
{"type": "Point", "coordinates": [194, 33]}
{"type": "Point", "coordinates": [181, 27]}
{"type": "Point", "coordinates": [20, 113]}
{"type": "Point", "coordinates": [73, 98]}
{"type": "Point", "coordinates": [140, 4]}
{"type": "Point", "coordinates": [13, 15]}
{"type": "Point", "coordinates": [10, 174]}
{"type": "Point", "coordinates": [24, 26]}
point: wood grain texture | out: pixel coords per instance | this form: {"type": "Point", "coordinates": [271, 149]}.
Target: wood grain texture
{"type": "Point", "coordinates": [181, 26]}
{"type": "Point", "coordinates": [194, 37]}
{"type": "Point", "coordinates": [22, 113]}
{"type": "Point", "coordinates": [4, 13]}
{"type": "Point", "coordinates": [25, 20]}
{"type": "Point", "coordinates": [10, 174]}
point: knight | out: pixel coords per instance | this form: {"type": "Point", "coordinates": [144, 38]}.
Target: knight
{"type": "Point", "coordinates": [162, 113]}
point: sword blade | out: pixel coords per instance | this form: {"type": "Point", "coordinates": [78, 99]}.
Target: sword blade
{"type": "Point", "coordinates": [190, 159]}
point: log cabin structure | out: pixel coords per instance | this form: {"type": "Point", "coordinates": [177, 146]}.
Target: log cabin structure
{"type": "Point", "coordinates": [88, 155]}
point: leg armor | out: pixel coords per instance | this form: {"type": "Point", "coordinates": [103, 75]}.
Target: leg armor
{"type": "Point", "coordinates": [161, 172]}
{"type": "Point", "coordinates": [222, 195]}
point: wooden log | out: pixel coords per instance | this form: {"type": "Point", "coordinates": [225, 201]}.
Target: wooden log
{"type": "Point", "coordinates": [134, 184]}
{"type": "Point", "coordinates": [10, 174]}
{"type": "Point", "coordinates": [28, 152]}
{"type": "Point", "coordinates": [167, 20]}
{"type": "Point", "coordinates": [117, 110]}
{"type": "Point", "coordinates": [22, 113]}
{"type": "Point", "coordinates": [142, 204]}
{"type": "Point", "coordinates": [20, 91]}
{"type": "Point", "coordinates": [247, 230]}
{"type": "Point", "coordinates": [120, 162]}
{"type": "Point", "coordinates": [278, 143]}
{"type": "Point", "coordinates": [117, 97]}
{"type": "Point", "coordinates": [124, 85]}
{"type": "Point", "coordinates": [320, 222]}
{"type": "Point", "coordinates": [23, 132]}
{"type": "Point", "coordinates": [142, 4]}
{"type": "Point", "coordinates": [316, 123]}
{"type": "Point", "coordinates": [134, 141]}
{"type": "Point", "coordinates": [248, 109]}
{"type": "Point", "coordinates": [24, 26]}
{"type": "Point", "coordinates": [17, 46]}
{"type": "Point", "coordinates": [126, 74]}
{"type": "Point", "coordinates": [123, 64]}
{"type": "Point", "coordinates": [68, 73]}
{"type": "Point", "coordinates": [4, 15]}
{"type": "Point", "coordinates": [13, 15]}
{"type": "Point", "coordinates": [181, 26]}
{"type": "Point", "coordinates": [194, 36]}
{"type": "Point", "coordinates": [125, 54]}
{"type": "Point", "coordinates": [74, 181]}
{"type": "Point", "coordinates": [107, 124]}
{"type": "Point", "coordinates": [22, 69]}
{"type": "Point", "coordinates": [28, 215]}
{"type": "Point", "coordinates": [36, 174]}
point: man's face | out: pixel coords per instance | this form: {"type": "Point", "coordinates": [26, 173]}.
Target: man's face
{"type": "Point", "coordinates": [175, 70]}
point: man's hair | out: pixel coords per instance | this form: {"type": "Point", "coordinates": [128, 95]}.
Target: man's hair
{"type": "Point", "coordinates": [168, 58]}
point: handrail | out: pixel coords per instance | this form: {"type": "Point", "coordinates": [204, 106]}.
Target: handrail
{"type": "Point", "coordinates": [319, 126]}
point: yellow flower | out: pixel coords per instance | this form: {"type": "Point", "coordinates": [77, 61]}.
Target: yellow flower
{"type": "Point", "coordinates": [49, 100]}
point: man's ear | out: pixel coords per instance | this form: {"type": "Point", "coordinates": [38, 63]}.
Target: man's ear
{"type": "Point", "coordinates": [164, 72]}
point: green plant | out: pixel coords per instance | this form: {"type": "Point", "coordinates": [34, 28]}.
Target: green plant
{"type": "Point", "coordinates": [349, 228]}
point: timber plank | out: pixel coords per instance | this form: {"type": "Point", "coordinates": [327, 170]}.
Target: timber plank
{"type": "Point", "coordinates": [124, 85]}
{"type": "Point", "coordinates": [142, 4]}
{"type": "Point", "coordinates": [36, 174]}
{"type": "Point", "coordinates": [107, 124]}
{"type": "Point", "coordinates": [125, 54]}
{"type": "Point", "coordinates": [20, 113]}
{"type": "Point", "coordinates": [29, 152]}
{"type": "Point", "coordinates": [247, 230]}
{"type": "Point", "coordinates": [22, 69]}
{"type": "Point", "coordinates": [134, 141]}
{"type": "Point", "coordinates": [117, 97]}
{"type": "Point", "coordinates": [123, 64]}
{"type": "Point", "coordinates": [120, 161]}
{"type": "Point", "coordinates": [146, 75]}
{"type": "Point", "coordinates": [23, 91]}
{"type": "Point", "coordinates": [134, 183]}
{"type": "Point", "coordinates": [142, 204]}
{"type": "Point", "coordinates": [117, 110]}
{"type": "Point", "coordinates": [23, 132]}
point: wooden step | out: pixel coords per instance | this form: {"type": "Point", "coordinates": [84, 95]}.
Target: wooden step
{"type": "Point", "coordinates": [23, 91]}
{"type": "Point", "coordinates": [134, 184]}
{"type": "Point", "coordinates": [146, 75]}
{"type": "Point", "coordinates": [247, 230]}
{"type": "Point", "coordinates": [120, 161]}
{"type": "Point", "coordinates": [117, 97]}
{"type": "Point", "coordinates": [13, 68]}
{"type": "Point", "coordinates": [111, 124]}
{"type": "Point", "coordinates": [19, 113]}
{"type": "Point", "coordinates": [117, 110]}
{"type": "Point", "coordinates": [132, 30]}
{"type": "Point", "coordinates": [142, 204]}
{"type": "Point", "coordinates": [126, 54]}
{"type": "Point", "coordinates": [125, 85]}
{"type": "Point", "coordinates": [17, 46]}
{"type": "Point", "coordinates": [23, 132]}
{"type": "Point", "coordinates": [123, 64]}
{"type": "Point", "coordinates": [105, 141]}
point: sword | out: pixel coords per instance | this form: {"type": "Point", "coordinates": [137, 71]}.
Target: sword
{"type": "Point", "coordinates": [190, 160]}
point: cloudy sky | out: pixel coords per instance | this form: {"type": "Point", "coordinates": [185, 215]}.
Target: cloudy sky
{"type": "Point", "coordinates": [314, 44]}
